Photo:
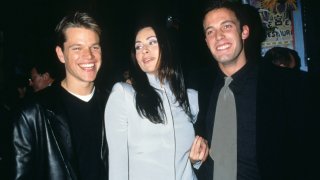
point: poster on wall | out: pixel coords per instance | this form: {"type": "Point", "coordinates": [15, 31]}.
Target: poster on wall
{"type": "Point", "coordinates": [277, 19]}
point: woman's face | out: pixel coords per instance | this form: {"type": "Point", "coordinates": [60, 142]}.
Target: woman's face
{"type": "Point", "coordinates": [147, 50]}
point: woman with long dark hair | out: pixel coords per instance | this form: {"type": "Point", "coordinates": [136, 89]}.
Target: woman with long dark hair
{"type": "Point", "coordinates": [149, 123]}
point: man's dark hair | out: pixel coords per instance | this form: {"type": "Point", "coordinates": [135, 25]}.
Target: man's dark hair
{"type": "Point", "coordinates": [45, 66]}
{"type": "Point", "coordinates": [76, 20]}
{"type": "Point", "coordinates": [236, 7]}
{"type": "Point", "coordinates": [282, 55]}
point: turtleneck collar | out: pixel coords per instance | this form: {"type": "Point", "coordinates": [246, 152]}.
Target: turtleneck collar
{"type": "Point", "coordinates": [155, 81]}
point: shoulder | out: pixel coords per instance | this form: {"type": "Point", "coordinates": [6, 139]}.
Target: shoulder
{"type": "Point", "coordinates": [28, 111]}
{"type": "Point", "coordinates": [121, 97]}
{"type": "Point", "coordinates": [122, 87]}
{"type": "Point", "coordinates": [277, 76]}
{"type": "Point", "coordinates": [192, 95]}
{"type": "Point", "coordinates": [121, 92]}
{"type": "Point", "coordinates": [102, 95]}
{"type": "Point", "coordinates": [47, 99]}
{"type": "Point", "coordinates": [40, 98]}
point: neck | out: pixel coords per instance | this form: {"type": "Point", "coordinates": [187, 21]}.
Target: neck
{"type": "Point", "coordinates": [230, 70]}
{"type": "Point", "coordinates": [234, 66]}
{"type": "Point", "coordinates": [80, 89]}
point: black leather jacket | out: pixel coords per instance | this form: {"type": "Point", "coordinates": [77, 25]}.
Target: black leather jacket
{"type": "Point", "coordinates": [42, 140]}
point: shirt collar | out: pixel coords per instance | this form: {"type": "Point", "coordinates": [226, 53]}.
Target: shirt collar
{"type": "Point", "coordinates": [85, 98]}
{"type": "Point", "coordinates": [249, 70]}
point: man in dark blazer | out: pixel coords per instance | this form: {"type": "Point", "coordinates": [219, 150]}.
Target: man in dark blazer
{"type": "Point", "coordinates": [268, 106]}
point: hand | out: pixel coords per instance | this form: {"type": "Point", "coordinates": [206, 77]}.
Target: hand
{"type": "Point", "coordinates": [199, 150]}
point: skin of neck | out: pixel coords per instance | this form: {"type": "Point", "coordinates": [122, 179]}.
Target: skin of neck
{"type": "Point", "coordinates": [232, 67]}
{"type": "Point", "coordinates": [77, 88]}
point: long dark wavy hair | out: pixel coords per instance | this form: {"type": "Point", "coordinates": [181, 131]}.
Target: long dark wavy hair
{"type": "Point", "coordinates": [148, 101]}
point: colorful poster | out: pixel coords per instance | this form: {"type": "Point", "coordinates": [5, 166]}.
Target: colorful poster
{"type": "Point", "coordinates": [277, 19]}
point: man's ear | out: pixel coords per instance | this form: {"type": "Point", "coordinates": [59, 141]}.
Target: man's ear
{"type": "Point", "coordinates": [46, 75]}
{"type": "Point", "coordinates": [60, 54]}
{"type": "Point", "coordinates": [206, 41]}
{"type": "Point", "coordinates": [245, 32]}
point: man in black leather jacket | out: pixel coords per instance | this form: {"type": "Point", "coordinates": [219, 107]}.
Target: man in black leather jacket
{"type": "Point", "coordinates": [59, 134]}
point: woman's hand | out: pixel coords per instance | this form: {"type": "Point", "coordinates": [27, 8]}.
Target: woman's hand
{"type": "Point", "coordinates": [199, 150]}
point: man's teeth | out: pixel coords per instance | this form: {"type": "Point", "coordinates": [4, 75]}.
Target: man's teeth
{"type": "Point", "coordinates": [223, 47]}
{"type": "Point", "coordinates": [86, 65]}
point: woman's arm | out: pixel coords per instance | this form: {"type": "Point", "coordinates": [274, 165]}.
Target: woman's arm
{"type": "Point", "coordinates": [116, 122]}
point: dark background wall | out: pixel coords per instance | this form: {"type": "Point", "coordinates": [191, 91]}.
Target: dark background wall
{"type": "Point", "coordinates": [27, 28]}
{"type": "Point", "coordinates": [311, 23]}
{"type": "Point", "coordinates": [27, 32]}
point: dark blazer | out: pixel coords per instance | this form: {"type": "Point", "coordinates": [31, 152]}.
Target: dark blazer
{"type": "Point", "coordinates": [279, 125]}
{"type": "Point", "coordinates": [42, 139]}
